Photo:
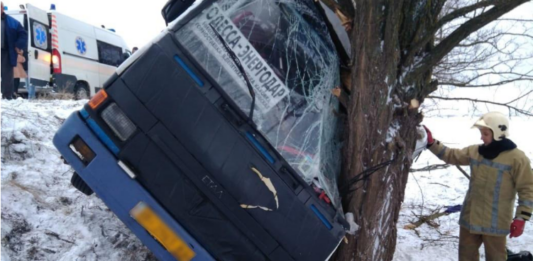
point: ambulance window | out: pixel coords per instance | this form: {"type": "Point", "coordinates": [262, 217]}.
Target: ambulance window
{"type": "Point", "coordinates": [109, 54]}
{"type": "Point", "coordinates": [40, 35]}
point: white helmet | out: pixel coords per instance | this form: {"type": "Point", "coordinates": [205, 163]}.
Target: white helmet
{"type": "Point", "coordinates": [497, 122]}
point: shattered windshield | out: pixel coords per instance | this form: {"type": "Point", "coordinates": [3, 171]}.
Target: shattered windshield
{"type": "Point", "coordinates": [290, 60]}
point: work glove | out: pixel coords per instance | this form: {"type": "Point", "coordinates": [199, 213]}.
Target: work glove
{"type": "Point", "coordinates": [517, 227]}
{"type": "Point", "coordinates": [429, 135]}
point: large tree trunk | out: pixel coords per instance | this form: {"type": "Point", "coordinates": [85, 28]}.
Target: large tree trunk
{"type": "Point", "coordinates": [393, 53]}
{"type": "Point", "coordinates": [376, 201]}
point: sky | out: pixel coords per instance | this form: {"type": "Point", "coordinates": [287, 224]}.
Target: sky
{"type": "Point", "coordinates": [140, 21]}
{"type": "Point", "coordinates": [136, 21]}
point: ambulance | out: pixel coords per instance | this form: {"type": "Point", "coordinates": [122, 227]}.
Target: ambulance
{"type": "Point", "coordinates": [66, 55]}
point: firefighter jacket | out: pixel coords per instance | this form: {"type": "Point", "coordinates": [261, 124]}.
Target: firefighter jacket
{"type": "Point", "coordinates": [490, 200]}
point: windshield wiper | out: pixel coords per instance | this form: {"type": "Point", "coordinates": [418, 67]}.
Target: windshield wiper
{"type": "Point", "coordinates": [237, 63]}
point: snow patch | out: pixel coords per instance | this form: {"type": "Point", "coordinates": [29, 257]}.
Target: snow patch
{"type": "Point", "coordinates": [393, 131]}
{"type": "Point", "coordinates": [421, 143]}
{"type": "Point", "coordinates": [353, 226]}
{"type": "Point", "coordinates": [43, 216]}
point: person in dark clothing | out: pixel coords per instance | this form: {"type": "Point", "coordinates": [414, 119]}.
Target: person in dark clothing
{"type": "Point", "coordinates": [14, 39]}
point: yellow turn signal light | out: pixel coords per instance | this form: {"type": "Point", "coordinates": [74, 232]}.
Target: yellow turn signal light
{"type": "Point", "coordinates": [98, 98]}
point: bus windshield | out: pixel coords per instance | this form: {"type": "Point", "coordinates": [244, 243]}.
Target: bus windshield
{"type": "Point", "coordinates": [288, 56]}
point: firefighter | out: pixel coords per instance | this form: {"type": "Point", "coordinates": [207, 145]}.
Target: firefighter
{"type": "Point", "coordinates": [499, 171]}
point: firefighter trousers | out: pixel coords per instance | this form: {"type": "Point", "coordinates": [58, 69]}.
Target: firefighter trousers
{"type": "Point", "coordinates": [495, 249]}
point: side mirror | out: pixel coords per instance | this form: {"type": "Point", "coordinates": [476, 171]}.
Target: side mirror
{"type": "Point", "coordinates": [174, 8]}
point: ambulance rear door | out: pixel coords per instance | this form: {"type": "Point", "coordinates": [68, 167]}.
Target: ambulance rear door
{"type": "Point", "coordinates": [39, 46]}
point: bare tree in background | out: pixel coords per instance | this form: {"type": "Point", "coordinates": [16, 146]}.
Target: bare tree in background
{"type": "Point", "coordinates": [403, 50]}
{"type": "Point", "coordinates": [498, 56]}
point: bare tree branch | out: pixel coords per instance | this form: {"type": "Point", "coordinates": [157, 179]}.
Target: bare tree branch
{"type": "Point", "coordinates": [516, 20]}
{"type": "Point", "coordinates": [519, 76]}
{"type": "Point", "coordinates": [484, 101]}
{"type": "Point", "coordinates": [444, 20]}
{"type": "Point", "coordinates": [461, 33]}
{"type": "Point", "coordinates": [520, 97]}
{"type": "Point", "coordinates": [466, 85]}
{"type": "Point", "coordinates": [463, 171]}
{"type": "Point", "coordinates": [520, 35]}
{"type": "Point", "coordinates": [430, 167]}
{"type": "Point", "coordinates": [463, 11]}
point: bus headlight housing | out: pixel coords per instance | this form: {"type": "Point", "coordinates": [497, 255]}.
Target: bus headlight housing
{"type": "Point", "coordinates": [117, 120]}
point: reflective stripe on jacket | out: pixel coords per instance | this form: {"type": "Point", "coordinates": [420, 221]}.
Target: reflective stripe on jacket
{"type": "Point", "coordinates": [490, 200]}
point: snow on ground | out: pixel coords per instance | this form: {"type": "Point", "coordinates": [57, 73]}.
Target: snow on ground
{"type": "Point", "coordinates": [45, 218]}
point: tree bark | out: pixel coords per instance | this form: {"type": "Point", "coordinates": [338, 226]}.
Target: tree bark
{"type": "Point", "coordinates": [376, 204]}
{"type": "Point", "coordinates": [385, 76]}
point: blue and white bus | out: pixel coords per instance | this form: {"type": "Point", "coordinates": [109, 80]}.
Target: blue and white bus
{"type": "Point", "coordinates": [219, 140]}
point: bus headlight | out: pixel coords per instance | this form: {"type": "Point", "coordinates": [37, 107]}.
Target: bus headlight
{"type": "Point", "coordinates": [117, 120]}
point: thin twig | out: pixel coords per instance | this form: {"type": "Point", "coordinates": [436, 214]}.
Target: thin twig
{"type": "Point", "coordinates": [421, 194]}
{"type": "Point", "coordinates": [463, 171]}
{"type": "Point", "coordinates": [436, 183]}
{"type": "Point", "coordinates": [53, 234]}
{"type": "Point", "coordinates": [431, 167]}
{"type": "Point", "coordinates": [520, 97]}
{"type": "Point", "coordinates": [483, 101]}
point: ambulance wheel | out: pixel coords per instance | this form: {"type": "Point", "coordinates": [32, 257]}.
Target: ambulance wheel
{"type": "Point", "coordinates": [81, 91]}
{"type": "Point", "coordinates": [80, 185]}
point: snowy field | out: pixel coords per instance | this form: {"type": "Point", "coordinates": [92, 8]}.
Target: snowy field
{"type": "Point", "coordinates": [45, 218]}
